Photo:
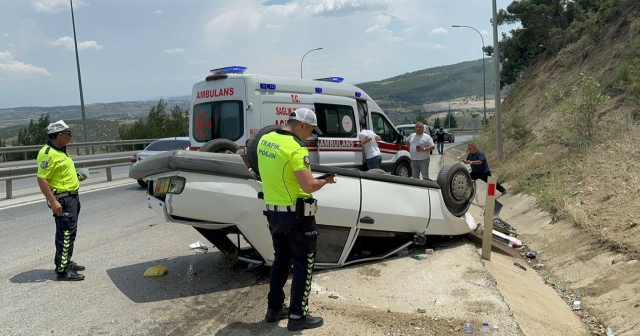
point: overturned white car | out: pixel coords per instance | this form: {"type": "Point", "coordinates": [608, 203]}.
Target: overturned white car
{"type": "Point", "coordinates": [365, 216]}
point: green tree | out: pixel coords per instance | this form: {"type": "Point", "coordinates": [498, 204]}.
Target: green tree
{"type": "Point", "coordinates": [450, 121]}
{"type": "Point", "coordinates": [436, 123]}
{"type": "Point", "coordinates": [33, 134]}
{"type": "Point", "coordinates": [158, 124]}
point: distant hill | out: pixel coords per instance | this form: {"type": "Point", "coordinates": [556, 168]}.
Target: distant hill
{"type": "Point", "coordinates": [403, 96]}
{"type": "Point", "coordinates": [119, 110]}
{"type": "Point", "coordinates": [428, 90]}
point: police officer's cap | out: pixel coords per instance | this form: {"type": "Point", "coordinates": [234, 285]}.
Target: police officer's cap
{"type": "Point", "coordinates": [307, 116]}
{"type": "Point", "coordinates": [56, 127]}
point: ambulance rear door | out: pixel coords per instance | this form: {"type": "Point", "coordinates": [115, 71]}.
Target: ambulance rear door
{"type": "Point", "coordinates": [219, 111]}
{"type": "Point", "coordinates": [337, 119]}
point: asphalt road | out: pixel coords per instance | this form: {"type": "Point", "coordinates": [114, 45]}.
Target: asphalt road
{"type": "Point", "coordinates": [118, 239]}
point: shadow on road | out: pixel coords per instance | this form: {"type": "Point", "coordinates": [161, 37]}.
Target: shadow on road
{"type": "Point", "coordinates": [258, 328]}
{"type": "Point", "coordinates": [33, 276]}
{"type": "Point", "coordinates": [188, 276]}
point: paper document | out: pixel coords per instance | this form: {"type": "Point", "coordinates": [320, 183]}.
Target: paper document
{"type": "Point", "coordinates": [84, 171]}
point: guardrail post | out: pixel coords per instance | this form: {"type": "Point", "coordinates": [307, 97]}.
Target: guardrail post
{"type": "Point", "coordinates": [107, 148]}
{"type": "Point", "coordinates": [25, 155]}
{"type": "Point", "coordinates": [78, 151]}
{"type": "Point", "coordinates": [4, 157]}
{"type": "Point", "coordinates": [109, 177]}
{"type": "Point", "coordinates": [489, 208]}
{"type": "Point", "coordinates": [92, 152]}
{"type": "Point", "coordinates": [8, 190]}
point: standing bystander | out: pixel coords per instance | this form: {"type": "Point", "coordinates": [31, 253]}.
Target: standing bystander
{"type": "Point", "coordinates": [420, 144]}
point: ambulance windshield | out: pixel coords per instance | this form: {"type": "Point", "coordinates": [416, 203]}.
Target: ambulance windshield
{"type": "Point", "coordinates": [218, 120]}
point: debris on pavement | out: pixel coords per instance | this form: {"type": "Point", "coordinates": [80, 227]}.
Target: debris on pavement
{"type": "Point", "coordinates": [428, 251]}
{"type": "Point", "coordinates": [156, 271]}
{"type": "Point", "coordinates": [520, 265]}
{"type": "Point", "coordinates": [531, 254]}
{"type": "Point", "coordinates": [422, 311]}
{"type": "Point", "coordinates": [333, 296]}
{"type": "Point", "coordinates": [199, 246]}
{"type": "Point", "coordinates": [418, 257]}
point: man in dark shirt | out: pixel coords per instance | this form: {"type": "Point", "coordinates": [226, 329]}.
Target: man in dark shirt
{"type": "Point", "coordinates": [479, 167]}
{"type": "Point", "coordinates": [440, 140]}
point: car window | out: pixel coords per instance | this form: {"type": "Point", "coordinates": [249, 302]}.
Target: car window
{"type": "Point", "coordinates": [336, 121]}
{"type": "Point", "coordinates": [167, 145]}
{"type": "Point", "coordinates": [382, 127]}
{"type": "Point", "coordinates": [218, 120]}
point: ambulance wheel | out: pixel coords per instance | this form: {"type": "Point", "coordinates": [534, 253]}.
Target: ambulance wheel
{"type": "Point", "coordinates": [456, 187]}
{"type": "Point", "coordinates": [220, 146]}
{"type": "Point", "coordinates": [252, 146]}
{"type": "Point", "coordinates": [403, 169]}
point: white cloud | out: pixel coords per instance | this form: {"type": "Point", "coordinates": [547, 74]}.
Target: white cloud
{"type": "Point", "coordinates": [5, 35]}
{"type": "Point", "coordinates": [54, 6]}
{"type": "Point", "coordinates": [270, 26]}
{"type": "Point", "coordinates": [67, 43]}
{"type": "Point", "coordinates": [159, 11]}
{"type": "Point", "coordinates": [439, 46]}
{"type": "Point", "coordinates": [9, 66]}
{"type": "Point", "coordinates": [484, 32]}
{"type": "Point", "coordinates": [198, 62]}
{"type": "Point", "coordinates": [343, 7]}
{"type": "Point", "coordinates": [438, 31]}
{"type": "Point", "coordinates": [174, 51]}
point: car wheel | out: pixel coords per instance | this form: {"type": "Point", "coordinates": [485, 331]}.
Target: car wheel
{"type": "Point", "coordinates": [402, 169]}
{"type": "Point", "coordinates": [456, 187]}
{"type": "Point", "coordinates": [252, 146]}
{"type": "Point", "coordinates": [142, 183]}
{"type": "Point", "coordinates": [220, 146]}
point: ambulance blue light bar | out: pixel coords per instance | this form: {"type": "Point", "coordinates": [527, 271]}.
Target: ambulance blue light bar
{"type": "Point", "coordinates": [318, 90]}
{"type": "Point", "coordinates": [358, 94]}
{"type": "Point", "coordinates": [331, 79]}
{"type": "Point", "coordinates": [266, 86]}
{"type": "Point", "coordinates": [230, 69]}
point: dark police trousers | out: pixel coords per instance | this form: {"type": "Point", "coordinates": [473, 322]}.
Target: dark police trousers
{"type": "Point", "coordinates": [66, 227]}
{"type": "Point", "coordinates": [294, 242]}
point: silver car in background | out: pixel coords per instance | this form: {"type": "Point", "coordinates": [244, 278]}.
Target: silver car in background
{"type": "Point", "coordinates": [159, 146]}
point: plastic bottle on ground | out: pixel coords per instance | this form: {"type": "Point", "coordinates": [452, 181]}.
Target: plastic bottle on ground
{"type": "Point", "coordinates": [467, 329]}
{"type": "Point", "coordinates": [485, 329]}
{"type": "Point", "coordinates": [495, 331]}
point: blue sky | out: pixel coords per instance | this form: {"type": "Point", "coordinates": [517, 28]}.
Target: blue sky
{"type": "Point", "coordinates": [143, 49]}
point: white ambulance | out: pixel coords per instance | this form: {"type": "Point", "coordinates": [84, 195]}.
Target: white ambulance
{"type": "Point", "coordinates": [229, 107]}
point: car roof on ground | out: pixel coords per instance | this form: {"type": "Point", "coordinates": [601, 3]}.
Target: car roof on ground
{"type": "Point", "coordinates": [174, 138]}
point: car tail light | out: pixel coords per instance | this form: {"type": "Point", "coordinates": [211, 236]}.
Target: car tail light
{"type": "Point", "coordinates": [169, 185]}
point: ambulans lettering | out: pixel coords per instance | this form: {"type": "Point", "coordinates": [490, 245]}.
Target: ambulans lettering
{"type": "Point", "coordinates": [215, 93]}
{"type": "Point", "coordinates": [335, 143]}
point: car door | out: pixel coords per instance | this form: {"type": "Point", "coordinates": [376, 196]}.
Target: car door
{"type": "Point", "coordinates": [337, 217]}
{"type": "Point", "coordinates": [387, 145]}
{"type": "Point", "coordinates": [338, 145]}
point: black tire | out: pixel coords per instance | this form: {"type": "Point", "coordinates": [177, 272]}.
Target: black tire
{"type": "Point", "coordinates": [142, 183]}
{"type": "Point", "coordinates": [456, 187]}
{"type": "Point", "coordinates": [402, 166]}
{"type": "Point", "coordinates": [252, 146]}
{"type": "Point", "coordinates": [219, 146]}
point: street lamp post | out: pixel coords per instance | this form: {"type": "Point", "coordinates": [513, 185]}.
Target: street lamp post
{"type": "Point", "coordinates": [449, 115]}
{"type": "Point", "coordinates": [303, 59]}
{"type": "Point", "coordinates": [75, 42]}
{"type": "Point", "coordinates": [496, 65]}
{"type": "Point", "coordinates": [484, 74]}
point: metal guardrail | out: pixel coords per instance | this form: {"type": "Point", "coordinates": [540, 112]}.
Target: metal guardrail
{"type": "Point", "coordinates": [16, 173]}
{"type": "Point", "coordinates": [26, 149]}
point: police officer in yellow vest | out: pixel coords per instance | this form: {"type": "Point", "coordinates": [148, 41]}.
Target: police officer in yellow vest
{"type": "Point", "coordinates": [287, 184]}
{"type": "Point", "coordinates": [59, 183]}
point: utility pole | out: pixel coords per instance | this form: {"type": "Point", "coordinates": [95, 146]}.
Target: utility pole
{"type": "Point", "coordinates": [84, 118]}
{"type": "Point", "coordinates": [449, 114]}
{"type": "Point", "coordinates": [496, 64]}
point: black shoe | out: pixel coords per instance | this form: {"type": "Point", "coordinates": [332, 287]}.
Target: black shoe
{"type": "Point", "coordinates": [75, 267]}
{"type": "Point", "coordinates": [308, 322]}
{"type": "Point", "coordinates": [277, 315]}
{"type": "Point", "coordinates": [70, 275]}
